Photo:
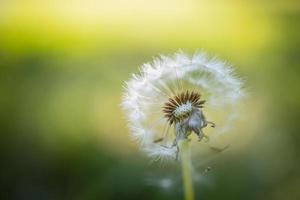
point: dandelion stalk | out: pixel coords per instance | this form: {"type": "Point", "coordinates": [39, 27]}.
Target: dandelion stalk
{"type": "Point", "coordinates": [186, 165]}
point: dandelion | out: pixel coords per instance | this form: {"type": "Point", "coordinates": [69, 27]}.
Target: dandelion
{"type": "Point", "coordinates": [169, 94]}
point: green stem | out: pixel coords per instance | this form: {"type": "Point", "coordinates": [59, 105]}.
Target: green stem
{"type": "Point", "coordinates": [185, 157]}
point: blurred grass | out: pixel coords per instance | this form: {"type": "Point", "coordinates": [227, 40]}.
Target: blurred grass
{"type": "Point", "coordinates": [62, 66]}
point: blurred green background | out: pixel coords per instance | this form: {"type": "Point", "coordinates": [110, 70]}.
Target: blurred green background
{"type": "Point", "coordinates": [62, 66]}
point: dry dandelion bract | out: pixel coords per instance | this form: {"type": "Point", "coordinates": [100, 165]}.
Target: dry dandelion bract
{"type": "Point", "coordinates": [181, 105]}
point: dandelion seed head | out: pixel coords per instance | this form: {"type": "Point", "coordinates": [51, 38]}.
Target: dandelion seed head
{"type": "Point", "coordinates": [170, 90]}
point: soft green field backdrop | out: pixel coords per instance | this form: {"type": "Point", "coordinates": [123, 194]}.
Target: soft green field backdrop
{"type": "Point", "coordinates": [62, 66]}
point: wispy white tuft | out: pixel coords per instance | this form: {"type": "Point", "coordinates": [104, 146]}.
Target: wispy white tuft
{"type": "Point", "coordinates": [146, 92]}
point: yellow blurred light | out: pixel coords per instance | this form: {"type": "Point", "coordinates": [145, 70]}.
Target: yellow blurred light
{"type": "Point", "coordinates": [100, 24]}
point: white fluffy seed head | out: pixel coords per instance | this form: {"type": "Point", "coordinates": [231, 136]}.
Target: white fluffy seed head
{"type": "Point", "coordinates": [146, 92]}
